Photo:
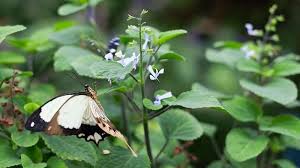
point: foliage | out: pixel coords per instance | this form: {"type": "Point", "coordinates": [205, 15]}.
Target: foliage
{"type": "Point", "coordinates": [130, 91]}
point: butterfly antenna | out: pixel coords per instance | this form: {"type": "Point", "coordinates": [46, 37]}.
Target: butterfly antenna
{"type": "Point", "coordinates": [76, 78]}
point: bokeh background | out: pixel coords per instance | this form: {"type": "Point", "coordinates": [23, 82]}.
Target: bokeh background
{"type": "Point", "coordinates": [207, 21]}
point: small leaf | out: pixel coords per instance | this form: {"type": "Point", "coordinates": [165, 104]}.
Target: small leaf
{"type": "Point", "coordinates": [243, 109]}
{"type": "Point", "coordinates": [66, 55]}
{"type": "Point", "coordinates": [149, 104]}
{"type": "Point", "coordinates": [7, 154]}
{"type": "Point", "coordinates": [209, 129]}
{"type": "Point", "coordinates": [179, 124]}
{"type": "Point", "coordinates": [229, 57]}
{"type": "Point", "coordinates": [110, 70]}
{"type": "Point", "coordinates": [71, 35]}
{"type": "Point", "coordinates": [69, 8]}
{"type": "Point", "coordinates": [280, 90]}
{"type": "Point", "coordinates": [34, 152]}
{"type": "Point", "coordinates": [283, 124]}
{"type": "Point", "coordinates": [24, 138]}
{"type": "Point", "coordinates": [286, 68]}
{"type": "Point", "coordinates": [195, 99]}
{"type": "Point", "coordinates": [7, 57]}
{"type": "Point", "coordinates": [121, 158]}
{"type": "Point", "coordinates": [283, 163]}
{"type": "Point", "coordinates": [248, 65]}
{"type": "Point", "coordinates": [242, 145]}
{"type": "Point", "coordinates": [55, 162]}
{"type": "Point", "coordinates": [71, 148]}
{"type": "Point", "coordinates": [7, 30]}
{"type": "Point", "coordinates": [169, 35]}
{"type": "Point", "coordinates": [172, 55]}
{"type": "Point", "coordinates": [30, 107]}
{"type": "Point", "coordinates": [27, 163]}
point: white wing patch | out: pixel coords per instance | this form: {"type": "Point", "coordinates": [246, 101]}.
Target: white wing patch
{"type": "Point", "coordinates": [49, 109]}
{"type": "Point", "coordinates": [71, 113]}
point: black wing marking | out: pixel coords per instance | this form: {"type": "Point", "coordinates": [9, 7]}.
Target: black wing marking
{"type": "Point", "coordinates": [88, 132]}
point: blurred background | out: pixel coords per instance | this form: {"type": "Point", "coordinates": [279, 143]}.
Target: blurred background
{"type": "Point", "coordinates": [206, 22]}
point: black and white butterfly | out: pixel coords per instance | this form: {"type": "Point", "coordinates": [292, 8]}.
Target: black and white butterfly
{"type": "Point", "coordinates": [79, 114]}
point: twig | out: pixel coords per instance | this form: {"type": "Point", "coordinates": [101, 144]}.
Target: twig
{"type": "Point", "coordinates": [132, 76]}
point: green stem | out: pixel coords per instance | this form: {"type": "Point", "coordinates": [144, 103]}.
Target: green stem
{"type": "Point", "coordinates": [161, 150]}
{"type": "Point", "coordinates": [155, 114]}
{"type": "Point", "coordinates": [144, 110]}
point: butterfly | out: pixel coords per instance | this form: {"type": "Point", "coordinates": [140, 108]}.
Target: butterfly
{"type": "Point", "coordinates": [79, 114]}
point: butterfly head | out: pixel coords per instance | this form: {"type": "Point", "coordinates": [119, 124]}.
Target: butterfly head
{"type": "Point", "coordinates": [90, 91]}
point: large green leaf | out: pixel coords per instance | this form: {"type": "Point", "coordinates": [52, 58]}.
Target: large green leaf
{"type": "Point", "coordinates": [206, 91]}
{"type": "Point", "coordinates": [122, 158]}
{"type": "Point", "coordinates": [24, 138]}
{"type": "Point", "coordinates": [195, 99]}
{"type": "Point", "coordinates": [7, 155]}
{"type": "Point", "coordinates": [169, 35]}
{"type": "Point", "coordinates": [72, 35]}
{"type": "Point", "coordinates": [40, 93]}
{"type": "Point", "coordinates": [248, 65]}
{"type": "Point", "coordinates": [27, 163]}
{"type": "Point", "coordinates": [82, 65]}
{"type": "Point", "coordinates": [225, 56]}
{"type": "Point", "coordinates": [179, 124]}
{"type": "Point", "coordinates": [55, 162]}
{"type": "Point", "coordinates": [7, 30]}
{"type": "Point", "coordinates": [283, 124]}
{"type": "Point", "coordinates": [110, 70]}
{"type": "Point", "coordinates": [280, 90]}
{"type": "Point", "coordinates": [243, 109]}
{"type": "Point", "coordinates": [219, 164]}
{"type": "Point", "coordinates": [286, 68]}
{"type": "Point", "coordinates": [71, 148]}
{"type": "Point", "coordinates": [242, 144]}
{"type": "Point", "coordinates": [66, 55]}
{"type": "Point", "coordinates": [7, 57]}
{"type": "Point", "coordinates": [69, 8]}
{"type": "Point", "coordinates": [283, 163]}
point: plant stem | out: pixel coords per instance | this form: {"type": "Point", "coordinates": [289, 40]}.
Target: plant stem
{"type": "Point", "coordinates": [161, 151]}
{"type": "Point", "coordinates": [155, 114]}
{"type": "Point", "coordinates": [134, 105]}
{"type": "Point", "coordinates": [144, 110]}
{"type": "Point", "coordinates": [125, 121]}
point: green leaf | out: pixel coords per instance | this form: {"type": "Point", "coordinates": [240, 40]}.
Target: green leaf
{"type": "Point", "coordinates": [206, 91]}
{"type": "Point", "coordinates": [172, 55]}
{"type": "Point", "coordinates": [242, 144]}
{"type": "Point", "coordinates": [280, 90]}
{"type": "Point", "coordinates": [209, 129]}
{"type": "Point", "coordinates": [72, 35]}
{"type": "Point", "coordinates": [24, 138]}
{"type": "Point", "coordinates": [69, 8]}
{"type": "Point", "coordinates": [286, 68]}
{"type": "Point", "coordinates": [94, 2]}
{"type": "Point", "coordinates": [243, 109]}
{"type": "Point", "coordinates": [149, 104]}
{"type": "Point", "coordinates": [7, 155]}
{"type": "Point", "coordinates": [82, 65]}
{"type": "Point", "coordinates": [179, 124]}
{"type": "Point", "coordinates": [228, 44]}
{"type": "Point", "coordinates": [110, 70]}
{"type": "Point", "coordinates": [169, 35]}
{"type": "Point", "coordinates": [248, 65]}
{"type": "Point", "coordinates": [229, 57]}
{"type": "Point", "coordinates": [283, 163]}
{"type": "Point", "coordinates": [66, 55]}
{"type": "Point", "coordinates": [283, 124]}
{"type": "Point", "coordinates": [7, 57]}
{"type": "Point", "coordinates": [7, 30]}
{"type": "Point", "coordinates": [30, 107]}
{"type": "Point", "coordinates": [34, 152]}
{"type": "Point", "coordinates": [71, 148]}
{"type": "Point", "coordinates": [104, 91]}
{"type": "Point", "coordinates": [290, 142]}
{"type": "Point", "coordinates": [27, 163]}
{"type": "Point", "coordinates": [55, 162]}
{"type": "Point", "coordinates": [195, 99]}
{"type": "Point", "coordinates": [5, 73]}
{"type": "Point", "coordinates": [41, 93]}
{"type": "Point", "coordinates": [219, 164]}
{"type": "Point", "coordinates": [121, 158]}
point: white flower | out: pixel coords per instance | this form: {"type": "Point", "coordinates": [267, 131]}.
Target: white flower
{"type": "Point", "coordinates": [251, 31]}
{"type": "Point", "coordinates": [119, 54]}
{"type": "Point", "coordinates": [154, 75]}
{"type": "Point", "coordinates": [248, 52]}
{"type": "Point", "coordinates": [126, 61]}
{"type": "Point", "coordinates": [159, 98]}
{"type": "Point", "coordinates": [109, 56]}
{"type": "Point", "coordinates": [136, 59]}
{"type": "Point", "coordinates": [147, 40]}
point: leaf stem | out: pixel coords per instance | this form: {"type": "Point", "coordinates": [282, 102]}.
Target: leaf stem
{"type": "Point", "coordinates": [161, 150]}
{"type": "Point", "coordinates": [155, 114]}
{"type": "Point", "coordinates": [144, 110]}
